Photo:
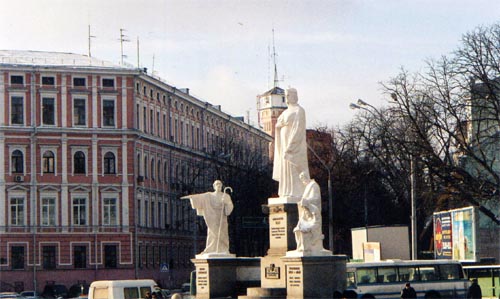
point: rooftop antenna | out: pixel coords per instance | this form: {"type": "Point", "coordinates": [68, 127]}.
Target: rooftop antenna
{"type": "Point", "coordinates": [123, 38]}
{"type": "Point", "coordinates": [274, 62]}
{"type": "Point", "coordinates": [90, 39]}
{"type": "Point", "coordinates": [153, 66]}
{"type": "Point", "coordinates": [138, 65]}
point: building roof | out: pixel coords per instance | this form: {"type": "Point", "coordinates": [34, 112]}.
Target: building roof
{"type": "Point", "coordinates": [55, 59]}
{"type": "Point", "coordinates": [275, 90]}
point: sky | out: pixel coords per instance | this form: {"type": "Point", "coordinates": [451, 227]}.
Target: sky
{"type": "Point", "coordinates": [333, 52]}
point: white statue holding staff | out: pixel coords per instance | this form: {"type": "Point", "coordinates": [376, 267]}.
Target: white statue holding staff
{"type": "Point", "coordinates": [214, 207]}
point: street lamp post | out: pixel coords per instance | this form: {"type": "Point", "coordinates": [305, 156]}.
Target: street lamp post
{"type": "Point", "coordinates": [330, 199]}
{"type": "Point", "coordinates": [413, 218]}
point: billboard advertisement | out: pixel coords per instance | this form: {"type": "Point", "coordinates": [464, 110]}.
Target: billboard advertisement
{"type": "Point", "coordinates": [455, 234]}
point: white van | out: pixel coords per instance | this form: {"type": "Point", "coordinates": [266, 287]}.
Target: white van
{"type": "Point", "coordinates": [121, 289]}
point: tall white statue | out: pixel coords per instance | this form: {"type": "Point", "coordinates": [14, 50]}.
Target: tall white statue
{"type": "Point", "coordinates": [214, 207]}
{"type": "Point", "coordinates": [308, 232]}
{"type": "Point", "coordinates": [290, 149]}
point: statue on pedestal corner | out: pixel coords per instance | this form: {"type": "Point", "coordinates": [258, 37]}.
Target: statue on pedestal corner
{"type": "Point", "coordinates": [308, 232]}
{"type": "Point", "coordinates": [214, 207]}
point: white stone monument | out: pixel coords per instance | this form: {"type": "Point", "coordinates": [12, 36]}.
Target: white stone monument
{"type": "Point", "coordinates": [214, 207]}
{"type": "Point", "coordinates": [290, 150]}
{"type": "Point", "coordinates": [308, 232]}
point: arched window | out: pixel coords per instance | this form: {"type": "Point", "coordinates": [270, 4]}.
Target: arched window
{"type": "Point", "coordinates": [138, 164]}
{"type": "Point", "coordinates": [165, 172]}
{"type": "Point", "coordinates": [145, 166]}
{"type": "Point", "coordinates": [153, 169]}
{"type": "Point", "coordinates": [48, 162]}
{"type": "Point", "coordinates": [17, 162]}
{"type": "Point", "coordinates": [79, 162]}
{"type": "Point", "coordinates": [158, 168]}
{"type": "Point", "coordinates": [109, 163]}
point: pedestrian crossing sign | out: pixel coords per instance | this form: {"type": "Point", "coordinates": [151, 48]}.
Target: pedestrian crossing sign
{"type": "Point", "coordinates": [164, 268]}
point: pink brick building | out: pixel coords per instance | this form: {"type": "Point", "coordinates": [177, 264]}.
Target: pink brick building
{"type": "Point", "coordinates": [93, 160]}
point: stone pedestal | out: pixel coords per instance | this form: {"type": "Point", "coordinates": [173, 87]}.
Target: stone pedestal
{"type": "Point", "coordinates": [225, 277]}
{"type": "Point", "coordinates": [283, 217]}
{"type": "Point", "coordinates": [314, 277]}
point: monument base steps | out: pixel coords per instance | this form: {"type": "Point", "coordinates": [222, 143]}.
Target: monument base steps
{"type": "Point", "coordinates": [264, 293]}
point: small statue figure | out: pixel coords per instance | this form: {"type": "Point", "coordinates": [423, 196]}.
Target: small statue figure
{"type": "Point", "coordinates": [308, 234]}
{"type": "Point", "coordinates": [214, 207]}
{"type": "Point", "coordinates": [290, 149]}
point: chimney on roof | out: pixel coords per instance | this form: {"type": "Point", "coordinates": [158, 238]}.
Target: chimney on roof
{"type": "Point", "coordinates": [184, 90]}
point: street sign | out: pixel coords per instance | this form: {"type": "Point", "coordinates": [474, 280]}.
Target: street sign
{"type": "Point", "coordinates": [254, 222]}
{"type": "Point", "coordinates": [164, 268]}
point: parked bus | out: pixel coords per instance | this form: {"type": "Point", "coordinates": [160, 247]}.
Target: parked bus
{"type": "Point", "coordinates": [429, 278]}
{"type": "Point", "coordinates": [488, 278]}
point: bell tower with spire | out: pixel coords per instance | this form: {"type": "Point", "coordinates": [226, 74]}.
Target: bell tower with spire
{"type": "Point", "coordinates": [270, 105]}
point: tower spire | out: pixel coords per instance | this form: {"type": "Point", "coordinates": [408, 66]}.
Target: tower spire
{"type": "Point", "coordinates": [275, 66]}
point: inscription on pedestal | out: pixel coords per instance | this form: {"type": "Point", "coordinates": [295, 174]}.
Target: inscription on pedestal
{"type": "Point", "coordinates": [272, 272]}
{"type": "Point", "coordinates": [202, 279]}
{"type": "Point", "coordinates": [278, 233]}
{"type": "Point", "coordinates": [294, 274]}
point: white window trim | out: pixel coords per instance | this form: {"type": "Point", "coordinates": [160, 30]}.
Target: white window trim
{"type": "Point", "coordinates": [51, 75]}
{"type": "Point", "coordinates": [53, 149]}
{"type": "Point", "coordinates": [56, 206]}
{"type": "Point", "coordinates": [17, 74]}
{"type": "Point", "coordinates": [25, 205]}
{"type": "Point", "coordinates": [80, 77]}
{"type": "Point", "coordinates": [108, 98]}
{"type": "Point", "coordinates": [86, 99]}
{"type": "Point", "coordinates": [83, 149]}
{"type": "Point", "coordinates": [22, 148]}
{"type": "Point", "coordinates": [113, 150]}
{"type": "Point", "coordinates": [53, 96]}
{"type": "Point", "coordinates": [23, 96]}
{"type": "Point", "coordinates": [115, 196]}
{"type": "Point", "coordinates": [87, 207]}
{"type": "Point", "coordinates": [114, 82]}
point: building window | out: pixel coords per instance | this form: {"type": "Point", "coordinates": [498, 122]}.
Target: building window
{"type": "Point", "coordinates": [48, 81]}
{"type": "Point", "coordinates": [48, 161]}
{"type": "Point", "coordinates": [17, 162]}
{"type": "Point", "coordinates": [16, 111]}
{"type": "Point", "coordinates": [151, 122]}
{"type": "Point", "coordinates": [49, 257]}
{"type": "Point", "coordinates": [109, 163]}
{"type": "Point", "coordinates": [145, 120]}
{"type": "Point", "coordinates": [79, 112]}
{"type": "Point", "coordinates": [79, 211]}
{"type": "Point", "coordinates": [110, 83]}
{"type": "Point", "coordinates": [48, 111]}
{"type": "Point", "coordinates": [158, 169]}
{"type": "Point", "coordinates": [110, 256]}
{"type": "Point", "coordinates": [17, 257]}
{"type": "Point", "coordinates": [80, 257]}
{"type": "Point", "coordinates": [79, 163]}
{"type": "Point", "coordinates": [17, 211]}
{"type": "Point", "coordinates": [146, 174]}
{"type": "Point", "coordinates": [16, 79]}
{"type": "Point", "coordinates": [48, 211]}
{"type": "Point", "coordinates": [158, 130]}
{"type": "Point", "coordinates": [153, 169]}
{"type": "Point", "coordinates": [109, 211]}
{"type": "Point", "coordinates": [79, 82]}
{"type": "Point", "coordinates": [108, 113]}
